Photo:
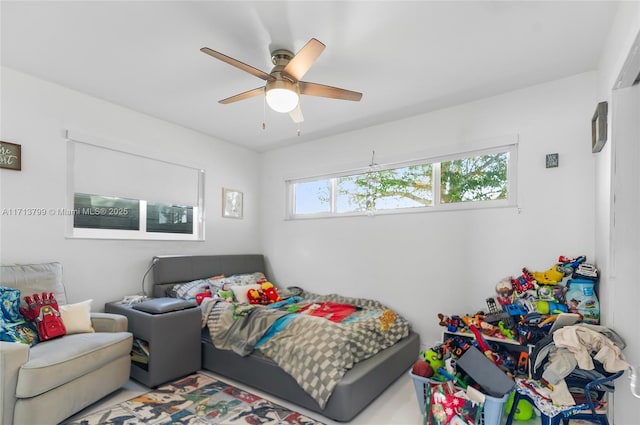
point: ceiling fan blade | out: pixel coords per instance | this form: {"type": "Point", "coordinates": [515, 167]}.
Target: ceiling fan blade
{"type": "Point", "coordinates": [296, 114]}
{"type": "Point", "coordinates": [302, 61]}
{"type": "Point", "coordinates": [241, 65]}
{"type": "Point", "coordinates": [242, 96]}
{"type": "Point", "coordinates": [314, 89]}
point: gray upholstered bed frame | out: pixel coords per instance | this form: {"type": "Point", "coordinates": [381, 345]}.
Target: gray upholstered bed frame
{"type": "Point", "coordinates": [359, 386]}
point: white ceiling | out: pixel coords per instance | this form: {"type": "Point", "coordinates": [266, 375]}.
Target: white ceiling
{"type": "Point", "coordinates": [406, 57]}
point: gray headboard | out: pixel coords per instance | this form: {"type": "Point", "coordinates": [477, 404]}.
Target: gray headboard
{"type": "Point", "coordinates": [171, 269]}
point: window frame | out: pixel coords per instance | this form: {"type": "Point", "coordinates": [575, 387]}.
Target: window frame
{"type": "Point", "coordinates": [511, 201]}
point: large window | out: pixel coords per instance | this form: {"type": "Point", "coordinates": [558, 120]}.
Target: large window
{"type": "Point", "coordinates": [120, 195]}
{"type": "Point", "coordinates": [471, 180]}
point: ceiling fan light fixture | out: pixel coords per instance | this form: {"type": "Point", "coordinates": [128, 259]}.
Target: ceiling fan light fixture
{"type": "Point", "coordinates": [281, 95]}
{"type": "Point", "coordinates": [284, 83]}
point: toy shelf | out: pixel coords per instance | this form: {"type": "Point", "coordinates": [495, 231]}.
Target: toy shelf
{"type": "Point", "coordinates": [488, 338]}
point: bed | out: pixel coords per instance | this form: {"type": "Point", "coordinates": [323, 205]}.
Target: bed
{"type": "Point", "coordinates": [356, 388]}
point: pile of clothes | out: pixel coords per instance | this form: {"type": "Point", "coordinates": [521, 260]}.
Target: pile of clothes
{"type": "Point", "coordinates": [575, 355]}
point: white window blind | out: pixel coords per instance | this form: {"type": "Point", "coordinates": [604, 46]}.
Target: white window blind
{"type": "Point", "coordinates": [103, 171]}
{"type": "Point", "coordinates": [105, 185]}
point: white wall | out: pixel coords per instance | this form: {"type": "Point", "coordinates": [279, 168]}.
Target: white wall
{"type": "Point", "coordinates": [425, 263]}
{"type": "Point", "coordinates": [616, 245]}
{"type": "Point", "coordinates": [34, 114]}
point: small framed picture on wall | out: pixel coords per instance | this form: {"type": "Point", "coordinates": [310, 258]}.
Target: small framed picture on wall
{"type": "Point", "coordinates": [232, 203]}
{"type": "Point", "coordinates": [10, 156]}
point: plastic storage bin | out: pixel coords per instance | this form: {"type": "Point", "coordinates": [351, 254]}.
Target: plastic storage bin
{"type": "Point", "coordinates": [420, 383]}
{"type": "Point", "coordinates": [491, 410]}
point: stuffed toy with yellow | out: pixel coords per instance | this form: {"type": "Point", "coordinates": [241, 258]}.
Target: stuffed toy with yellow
{"type": "Point", "coordinates": [270, 291]}
{"type": "Point", "coordinates": [266, 294]}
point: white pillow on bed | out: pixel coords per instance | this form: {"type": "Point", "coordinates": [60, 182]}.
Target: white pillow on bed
{"type": "Point", "coordinates": [240, 292]}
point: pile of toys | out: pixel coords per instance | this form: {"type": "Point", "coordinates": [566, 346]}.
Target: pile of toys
{"type": "Point", "coordinates": [523, 310]}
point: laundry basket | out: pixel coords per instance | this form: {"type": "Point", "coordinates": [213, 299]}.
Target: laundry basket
{"type": "Point", "coordinates": [491, 410]}
{"type": "Point", "coordinates": [421, 384]}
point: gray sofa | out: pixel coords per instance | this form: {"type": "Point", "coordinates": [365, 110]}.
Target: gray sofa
{"type": "Point", "coordinates": [55, 379]}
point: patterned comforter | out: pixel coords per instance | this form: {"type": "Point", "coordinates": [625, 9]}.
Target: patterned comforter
{"type": "Point", "coordinates": [314, 350]}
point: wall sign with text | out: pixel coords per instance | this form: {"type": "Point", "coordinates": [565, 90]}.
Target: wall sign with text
{"type": "Point", "coordinates": [10, 156]}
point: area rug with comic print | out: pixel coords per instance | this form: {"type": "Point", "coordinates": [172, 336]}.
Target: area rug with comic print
{"type": "Point", "coordinates": [196, 399]}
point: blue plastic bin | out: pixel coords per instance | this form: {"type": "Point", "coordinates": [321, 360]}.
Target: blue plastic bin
{"type": "Point", "coordinates": [420, 383]}
{"type": "Point", "coordinates": [491, 410]}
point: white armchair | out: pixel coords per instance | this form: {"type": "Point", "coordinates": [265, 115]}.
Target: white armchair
{"type": "Point", "coordinates": [55, 379]}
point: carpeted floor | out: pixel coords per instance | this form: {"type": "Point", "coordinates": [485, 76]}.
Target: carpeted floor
{"type": "Point", "coordinates": [196, 399]}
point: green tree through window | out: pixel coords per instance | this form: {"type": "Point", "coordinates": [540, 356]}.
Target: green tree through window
{"type": "Point", "coordinates": [473, 178]}
{"type": "Point", "coordinates": [478, 178]}
{"type": "Point", "coordinates": [406, 187]}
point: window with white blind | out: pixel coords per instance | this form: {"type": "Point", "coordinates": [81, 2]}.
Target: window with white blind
{"type": "Point", "coordinates": [120, 195]}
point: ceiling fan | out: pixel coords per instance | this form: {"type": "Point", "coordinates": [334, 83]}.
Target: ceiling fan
{"type": "Point", "coordinates": [284, 86]}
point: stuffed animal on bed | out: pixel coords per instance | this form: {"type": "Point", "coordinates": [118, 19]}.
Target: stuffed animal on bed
{"type": "Point", "coordinates": [264, 295]}
{"type": "Point", "coordinates": [225, 294]}
{"type": "Point", "coordinates": [256, 296]}
{"type": "Point", "coordinates": [270, 291]}
{"type": "Point", "coordinates": [200, 296]}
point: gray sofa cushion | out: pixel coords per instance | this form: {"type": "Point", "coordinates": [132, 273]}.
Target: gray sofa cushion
{"type": "Point", "coordinates": [34, 278]}
{"type": "Point", "coordinates": [61, 360]}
